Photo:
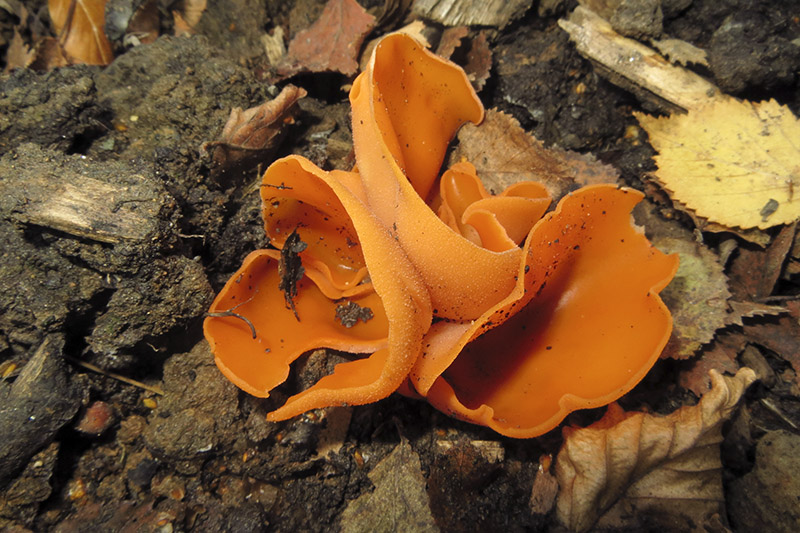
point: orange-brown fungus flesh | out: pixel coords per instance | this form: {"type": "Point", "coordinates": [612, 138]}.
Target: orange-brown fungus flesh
{"type": "Point", "coordinates": [570, 320]}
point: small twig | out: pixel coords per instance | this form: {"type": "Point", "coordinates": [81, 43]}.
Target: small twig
{"type": "Point", "coordinates": [223, 314]}
{"type": "Point", "coordinates": [774, 409]}
{"type": "Point", "coordinates": [230, 313]}
{"type": "Point", "coordinates": [94, 368]}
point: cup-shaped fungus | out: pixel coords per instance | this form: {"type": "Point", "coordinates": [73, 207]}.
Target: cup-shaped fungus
{"type": "Point", "coordinates": [494, 311]}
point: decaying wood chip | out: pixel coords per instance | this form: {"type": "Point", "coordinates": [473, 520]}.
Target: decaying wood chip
{"type": "Point", "coordinates": [86, 207]}
{"type": "Point", "coordinates": [471, 12]}
{"type": "Point", "coordinates": [636, 67]}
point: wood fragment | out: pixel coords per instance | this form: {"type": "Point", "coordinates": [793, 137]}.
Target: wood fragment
{"type": "Point", "coordinates": [85, 207]}
{"type": "Point", "coordinates": [119, 377]}
{"type": "Point", "coordinates": [471, 12]}
{"type": "Point", "coordinates": [636, 67]}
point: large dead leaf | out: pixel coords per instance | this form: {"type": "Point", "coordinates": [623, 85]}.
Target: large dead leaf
{"type": "Point", "coordinates": [332, 43]}
{"type": "Point", "coordinates": [79, 26]}
{"type": "Point", "coordinates": [653, 464]}
{"type": "Point", "coordinates": [503, 153]}
{"type": "Point", "coordinates": [735, 163]}
{"type": "Point", "coordinates": [398, 503]}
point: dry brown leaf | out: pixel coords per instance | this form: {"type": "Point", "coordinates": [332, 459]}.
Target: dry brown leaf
{"type": "Point", "coordinates": [697, 296]}
{"type": "Point", "coordinates": [732, 162]}
{"type": "Point", "coordinates": [145, 23]}
{"type": "Point", "coordinates": [79, 26]}
{"type": "Point", "coordinates": [503, 153]}
{"type": "Point", "coordinates": [18, 54]}
{"type": "Point", "coordinates": [753, 271]}
{"type": "Point", "coordinates": [332, 43]}
{"type": "Point", "coordinates": [255, 131]}
{"type": "Point", "coordinates": [781, 335]}
{"type": "Point", "coordinates": [721, 356]}
{"type": "Point", "coordinates": [49, 54]}
{"type": "Point", "coordinates": [399, 501]}
{"type": "Point", "coordinates": [666, 463]}
{"type": "Point", "coordinates": [741, 310]}
{"type": "Point", "coordinates": [451, 39]}
{"type": "Point", "coordinates": [479, 61]}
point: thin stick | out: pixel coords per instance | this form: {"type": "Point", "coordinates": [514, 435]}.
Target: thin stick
{"type": "Point", "coordinates": [94, 368]}
{"type": "Point", "coordinates": [230, 312]}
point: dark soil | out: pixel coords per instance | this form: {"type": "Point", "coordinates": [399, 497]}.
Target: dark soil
{"type": "Point", "coordinates": [84, 451]}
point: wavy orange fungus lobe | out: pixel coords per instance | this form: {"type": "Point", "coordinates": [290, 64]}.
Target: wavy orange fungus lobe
{"type": "Point", "coordinates": [490, 309]}
{"type": "Point", "coordinates": [582, 328]}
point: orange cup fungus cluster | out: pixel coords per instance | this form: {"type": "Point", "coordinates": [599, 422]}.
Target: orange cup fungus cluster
{"type": "Point", "coordinates": [489, 307]}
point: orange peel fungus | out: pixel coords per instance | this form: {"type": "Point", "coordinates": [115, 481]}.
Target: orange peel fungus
{"type": "Point", "coordinates": [489, 307]}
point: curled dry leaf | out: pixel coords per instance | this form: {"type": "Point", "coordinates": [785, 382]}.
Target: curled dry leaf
{"type": "Point", "coordinates": [735, 163]}
{"type": "Point", "coordinates": [79, 26]}
{"type": "Point", "coordinates": [503, 154]}
{"type": "Point", "coordinates": [256, 130]}
{"type": "Point", "coordinates": [648, 459]}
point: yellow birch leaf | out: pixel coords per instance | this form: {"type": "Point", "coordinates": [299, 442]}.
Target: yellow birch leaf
{"type": "Point", "coordinates": [735, 163]}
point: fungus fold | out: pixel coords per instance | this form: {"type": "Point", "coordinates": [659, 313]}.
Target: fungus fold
{"type": "Point", "coordinates": [489, 307]}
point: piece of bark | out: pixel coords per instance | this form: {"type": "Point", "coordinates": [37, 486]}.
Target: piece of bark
{"type": "Point", "coordinates": [636, 67]}
{"type": "Point", "coordinates": [35, 407]}
{"type": "Point", "coordinates": [471, 12]}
